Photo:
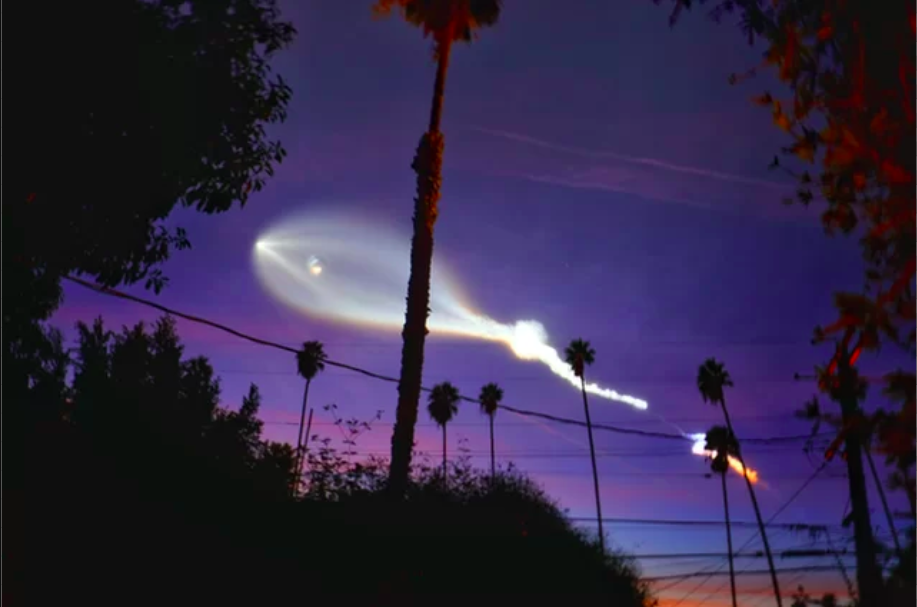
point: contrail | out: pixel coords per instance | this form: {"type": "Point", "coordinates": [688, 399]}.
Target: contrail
{"type": "Point", "coordinates": [347, 270]}
{"type": "Point", "coordinates": [650, 162]}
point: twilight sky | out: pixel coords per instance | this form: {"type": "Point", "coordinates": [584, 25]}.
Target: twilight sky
{"type": "Point", "coordinates": [600, 176]}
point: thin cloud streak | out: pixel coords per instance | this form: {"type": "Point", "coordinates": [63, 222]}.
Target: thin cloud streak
{"type": "Point", "coordinates": [595, 184]}
{"type": "Point", "coordinates": [651, 162]}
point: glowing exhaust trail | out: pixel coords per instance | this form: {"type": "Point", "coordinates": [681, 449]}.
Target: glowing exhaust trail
{"type": "Point", "coordinates": [700, 442]}
{"type": "Point", "coordinates": [351, 270]}
{"type": "Point", "coordinates": [344, 269]}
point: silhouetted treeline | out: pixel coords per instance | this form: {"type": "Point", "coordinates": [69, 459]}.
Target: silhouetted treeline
{"type": "Point", "coordinates": [139, 488]}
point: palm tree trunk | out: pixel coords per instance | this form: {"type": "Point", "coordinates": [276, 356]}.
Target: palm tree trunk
{"type": "Point", "coordinates": [302, 422]}
{"type": "Point", "coordinates": [732, 573]}
{"type": "Point", "coordinates": [888, 513]}
{"type": "Point", "coordinates": [443, 52]}
{"type": "Point", "coordinates": [908, 488]}
{"type": "Point", "coordinates": [869, 576]}
{"type": "Point", "coordinates": [428, 167]}
{"type": "Point", "coordinates": [595, 469]}
{"type": "Point", "coordinates": [754, 503]}
{"type": "Point", "coordinates": [444, 455]}
{"type": "Point", "coordinates": [493, 462]}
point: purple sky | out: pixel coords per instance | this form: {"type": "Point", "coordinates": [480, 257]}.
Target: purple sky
{"type": "Point", "coordinates": [600, 176]}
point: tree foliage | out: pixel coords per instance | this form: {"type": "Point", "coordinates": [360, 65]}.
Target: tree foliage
{"type": "Point", "coordinates": [310, 360]}
{"type": "Point", "coordinates": [443, 403]}
{"type": "Point", "coordinates": [579, 355]}
{"type": "Point", "coordinates": [135, 469]}
{"type": "Point", "coordinates": [712, 377]}
{"type": "Point", "coordinates": [723, 444]}
{"type": "Point", "coordinates": [445, 20]}
{"type": "Point", "coordinates": [162, 103]}
{"type": "Point", "coordinates": [849, 68]}
{"type": "Point", "coordinates": [490, 397]}
{"type": "Point", "coordinates": [125, 110]}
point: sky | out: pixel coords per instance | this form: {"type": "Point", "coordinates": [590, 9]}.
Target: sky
{"type": "Point", "coordinates": [600, 176]}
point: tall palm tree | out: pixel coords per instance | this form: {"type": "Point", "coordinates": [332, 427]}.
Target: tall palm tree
{"type": "Point", "coordinates": [578, 355]}
{"type": "Point", "coordinates": [712, 377]}
{"type": "Point", "coordinates": [447, 21]}
{"type": "Point", "coordinates": [723, 444]}
{"type": "Point", "coordinates": [490, 398]}
{"type": "Point", "coordinates": [442, 407]}
{"type": "Point", "coordinates": [309, 363]}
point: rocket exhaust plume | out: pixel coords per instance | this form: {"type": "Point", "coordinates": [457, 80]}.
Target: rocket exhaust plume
{"type": "Point", "coordinates": [348, 270]}
{"type": "Point", "coordinates": [700, 441]}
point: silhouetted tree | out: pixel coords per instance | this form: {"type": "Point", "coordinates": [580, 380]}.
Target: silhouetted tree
{"type": "Point", "coordinates": [442, 407]}
{"type": "Point", "coordinates": [309, 363]}
{"type": "Point", "coordinates": [723, 444]}
{"type": "Point", "coordinates": [850, 70]}
{"type": "Point", "coordinates": [802, 599]}
{"type": "Point", "coordinates": [490, 397]}
{"type": "Point", "coordinates": [167, 105]}
{"type": "Point", "coordinates": [888, 433]}
{"type": "Point", "coordinates": [175, 492]}
{"type": "Point", "coordinates": [447, 21]}
{"type": "Point", "coordinates": [712, 378]}
{"type": "Point", "coordinates": [578, 355]}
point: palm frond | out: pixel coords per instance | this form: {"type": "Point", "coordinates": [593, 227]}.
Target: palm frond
{"type": "Point", "coordinates": [579, 354]}
{"type": "Point", "coordinates": [490, 398]}
{"type": "Point", "coordinates": [443, 403]}
{"type": "Point", "coordinates": [454, 20]}
{"type": "Point", "coordinates": [310, 359]}
{"type": "Point", "coordinates": [712, 377]}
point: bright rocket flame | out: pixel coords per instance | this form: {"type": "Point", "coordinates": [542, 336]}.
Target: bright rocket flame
{"type": "Point", "coordinates": [700, 441]}
{"type": "Point", "coordinates": [364, 283]}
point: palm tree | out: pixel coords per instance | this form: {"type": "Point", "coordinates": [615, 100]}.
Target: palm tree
{"type": "Point", "coordinates": [309, 362]}
{"type": "Point", "coordinates": [447, 21]}
{"type": "Point", "coordinates": [490, 398]}
{"type": "Point", "coordinates": [578, 355]}
{"type": "Point", "coordinates": [712, 377]}
{"type": "Point", "coordinates": [442, 407]}
{"type": "Point", "coordinates": [723, 444]}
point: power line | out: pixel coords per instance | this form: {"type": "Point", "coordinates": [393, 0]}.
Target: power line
{"type": "Point", "coordinates": [714, 523]}
{"type": "Point", "coordinates": [682, 576]}
{"type": "Point", "coordinates": [332, 363]}
{"type": "Point", "coordinates": [665, 379]}
{"type": "Point", "coordinates": [785, 554]}
{"type": "Point", "coordinates": [536, 455]}
{"type": "Point", "coordinates": [774, 441]}
{"type": "Point", "coordinates": [505, 424]}
{"type": "Point", "coordinates": [785, 505]}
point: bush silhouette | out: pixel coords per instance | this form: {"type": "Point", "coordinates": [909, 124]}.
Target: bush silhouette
{"type": "Point", "coordinates": [141, 489]}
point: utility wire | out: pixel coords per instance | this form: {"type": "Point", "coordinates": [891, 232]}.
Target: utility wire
{"type": "Point", "coordinates": [693, 523]}
{"type": "Point", "coordinates": [683, 576]}
{"type": "Point", "coordinates": [332, 363]}
{"type": "Point", "coordinates": [754, 536]}
{"type": "Point", "coordinates": [505, 424]}
{"type": "Point", "coordinates": [785, 554]}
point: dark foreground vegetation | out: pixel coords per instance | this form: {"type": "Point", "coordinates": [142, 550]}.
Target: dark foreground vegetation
{"type": "Point", "coordinates": [139, 488]}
